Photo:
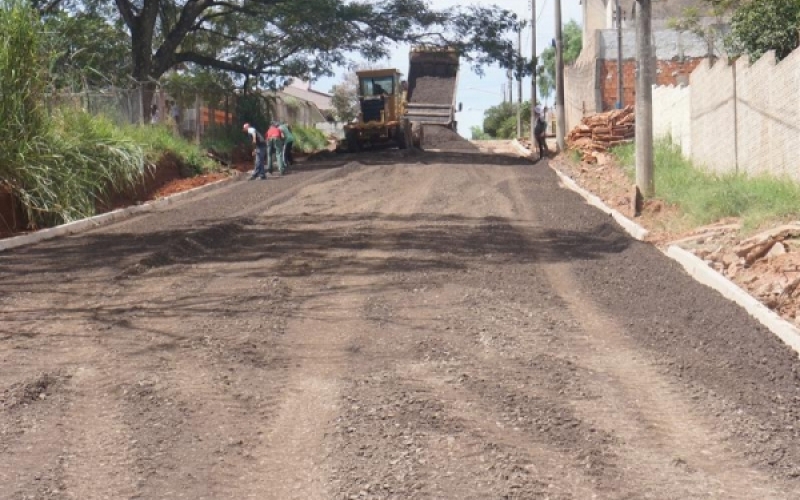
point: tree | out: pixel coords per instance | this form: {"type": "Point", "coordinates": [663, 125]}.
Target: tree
{"type": "Point", "coordinates": [268, 41]}
{"type": "Point", "coordinates": [478, 134]}
{"type": "Point", "coordinates": [758, 27]}
{"type": "Point", "coordinates": [85, 50]}
{"type": "Point", "coordinates": [546, 71]}
{"type": "Point", "coordinates": [693, 21]}
{"type": "Point", "coordinates": [500, 122]}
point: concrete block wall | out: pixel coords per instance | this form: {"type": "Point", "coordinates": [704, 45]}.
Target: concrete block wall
{"type": "Point", "coordinates": [672, 115]}
{"type": "Point", "coordinates": [713, 142]}
{"type": "Point", "coordinates": [668, 44]}
{"type": "Point", "coordinates": [581, 94]}
{"type": "Point", "coordinates": [768, 115]}
{"type": "Point", "coordinates": [741, 117]}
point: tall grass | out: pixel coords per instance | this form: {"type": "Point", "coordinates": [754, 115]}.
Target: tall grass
{"type": "Point", "coordinates": [309, 139]}
{"type": "Point", "coordinates": [705, 197]}
{"type": "Point", "coordinates": [60, 165]}
{"type": "Point", "coordinates": [22, 82]}
{"type": "Point", "coordinates": [159, 139]}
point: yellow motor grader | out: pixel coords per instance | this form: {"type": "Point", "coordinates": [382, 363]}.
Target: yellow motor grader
{"type": "Point", "coordinates": [381, 121]}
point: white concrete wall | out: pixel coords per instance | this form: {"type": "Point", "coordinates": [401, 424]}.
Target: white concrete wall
{"type": "Point", "coordinates": [768, 117]}
{"type": "Point", "coordinates": [739, 117]}
{"type": "Point", "coordinates": [672, 115]}
{"type": "Point", "coordinates": [581, 95]}
{"type": "Point", "coordinates": [712, 115]}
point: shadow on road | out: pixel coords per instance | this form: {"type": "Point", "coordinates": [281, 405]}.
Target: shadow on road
{"type": "Point", "coordinates": [421, 242]}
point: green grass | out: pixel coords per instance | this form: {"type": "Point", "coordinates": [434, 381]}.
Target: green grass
{"type": "Point", "coordinates": [705, 197]}
{"type": "Point", "coordinates": [309, 139]}
{"type": "Point", "coordinates": [60, 165]}
{"type": "Point", "coordinates": [159, 139]}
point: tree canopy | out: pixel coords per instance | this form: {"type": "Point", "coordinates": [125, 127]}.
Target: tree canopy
{"type": "Point", "coordinates": [758, 27]}
{"type": "Point", "coordinates": [268, 41]}
{"type": "Point", "coordinates": [573, 42]}
{"type": "Point", "coordinates": [500, 122]}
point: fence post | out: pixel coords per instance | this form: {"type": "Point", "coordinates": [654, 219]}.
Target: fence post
{"type": "Point", "coordinates": [735, 120]}
{"type": "Point", "coordinates": [198, 119]}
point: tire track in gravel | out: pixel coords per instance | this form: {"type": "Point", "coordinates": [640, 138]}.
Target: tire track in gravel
{"type": "Point", "coordinates": [132, 422]}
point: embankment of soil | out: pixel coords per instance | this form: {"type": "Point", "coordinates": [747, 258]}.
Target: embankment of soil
{"type": "Point", "coordinates": [170, 175]}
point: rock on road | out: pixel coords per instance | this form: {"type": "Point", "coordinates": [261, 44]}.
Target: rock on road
{"type": "Point", "coordinates": [384, 326]}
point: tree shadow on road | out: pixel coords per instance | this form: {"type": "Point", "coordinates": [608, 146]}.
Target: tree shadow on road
{"type": "Point", "coordinates": [413, 242]}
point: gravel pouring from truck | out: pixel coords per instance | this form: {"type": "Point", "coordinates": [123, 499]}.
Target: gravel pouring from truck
{"type": "Point", "coordinates": [432, 83]}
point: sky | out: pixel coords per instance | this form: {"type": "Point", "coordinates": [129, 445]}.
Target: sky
{"type": "Point", "coordinates": [478, 93]}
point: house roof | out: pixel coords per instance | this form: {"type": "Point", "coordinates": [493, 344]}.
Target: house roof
{"type": "Point", "coordinates": [302, 90]}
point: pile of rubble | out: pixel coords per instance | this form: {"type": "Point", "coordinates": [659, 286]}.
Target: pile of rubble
{"type": "Point", "coordinates": [767, 265]}
{"type": "Point", "coordinates": [600, 132]}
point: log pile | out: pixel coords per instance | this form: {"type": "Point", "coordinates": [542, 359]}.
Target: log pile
{"type": "Point", "coordinates": [600, 132]}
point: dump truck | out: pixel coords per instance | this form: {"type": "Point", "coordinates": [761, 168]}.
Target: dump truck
{"type": "Point", "coordinates": [432, 83]}
{"type": "Point", "coordinates": [393, 112]}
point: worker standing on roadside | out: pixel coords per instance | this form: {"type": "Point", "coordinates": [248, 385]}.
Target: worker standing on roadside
{"type": "Point", "coordinates": [540, 130]}
{"type": "Point", "coordinates": [288, 143]}
{"type": "Point", "coordinates": [275, 147]}
{"type": "Point", "coordinates": [259, 151]}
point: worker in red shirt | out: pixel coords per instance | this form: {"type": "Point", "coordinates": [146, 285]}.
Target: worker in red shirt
{"type": "Point", "coordinates": [275, 147]}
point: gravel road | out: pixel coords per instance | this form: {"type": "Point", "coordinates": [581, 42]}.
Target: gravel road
{"type": "Point", "coordinates": [394, 325]}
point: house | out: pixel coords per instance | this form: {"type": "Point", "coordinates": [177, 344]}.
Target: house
{"type": "Point", "coordinates": [591, 82]}
{"type": "Point", "coordinates": [301, 89]}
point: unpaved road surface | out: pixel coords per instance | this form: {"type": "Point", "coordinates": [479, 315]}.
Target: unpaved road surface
{"type": "Point", "coordinates": [384, 326]}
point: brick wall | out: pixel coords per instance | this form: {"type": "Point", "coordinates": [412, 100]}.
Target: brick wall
{"type": "Point", "coordinates": [667, 73]}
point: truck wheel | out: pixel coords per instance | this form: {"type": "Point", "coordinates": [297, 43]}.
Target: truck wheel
{"type": "Point", "coordinates": [353, 146]}
{"type": "Point", "coordinates": [417, 136]}
{"type": "Point", "coordinates": [400, 137]}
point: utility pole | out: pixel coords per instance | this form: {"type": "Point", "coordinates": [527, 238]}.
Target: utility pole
{"type": "Point", "coordinates": [534, 63]}
{"type": "Point", "coordinates": [644, 99]}
{"type": "Point", "coordinates": [510, 76]}
{"type": "Point", "coordinates": [561, 117]}
{"type": "Point", "coordinates": [519, 84]}
{"type": "Point", "coordinates": [620, 85]}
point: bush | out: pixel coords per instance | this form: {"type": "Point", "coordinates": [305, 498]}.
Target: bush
{"type": "Point", "coordinates": [159, 139]}
{"type": "Point", "coordinates": [308, 139]}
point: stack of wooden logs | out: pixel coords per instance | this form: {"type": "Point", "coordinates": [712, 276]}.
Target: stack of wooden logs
{"type": "Point", "coordinates": [600, 132]}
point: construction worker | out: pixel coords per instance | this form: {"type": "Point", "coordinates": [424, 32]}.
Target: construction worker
{"type": "Point", "coordinates": [288, 143]}
{"type": "Point", "coordinates": [540, 130]}
{"type": "Point", "coordinates": [259, 150]}
{"type": "Point", "coordinates": [275, 147]}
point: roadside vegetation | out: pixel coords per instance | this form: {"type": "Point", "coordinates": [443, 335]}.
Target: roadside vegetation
{"type": "Point", "coordinates": [61, 162]}
{"type": "Point", "coordinates": [705, 197]}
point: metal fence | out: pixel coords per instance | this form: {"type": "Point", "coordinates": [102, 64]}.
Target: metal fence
{"type": "Point", "coordinates": [124, 107]}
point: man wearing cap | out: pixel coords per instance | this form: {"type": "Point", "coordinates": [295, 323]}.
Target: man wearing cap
{"type": "Point", "coordinates": [259, 151]}
{"type": "Point", "coordinates": [275, 147]}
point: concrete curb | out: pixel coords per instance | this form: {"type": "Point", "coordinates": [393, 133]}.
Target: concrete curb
{"type": "Point", "coordinates": [632, 228]}
{"type": "Point", "coordinates": [83, 225]}
{"type": "Point", "coordinates": [704, 274]}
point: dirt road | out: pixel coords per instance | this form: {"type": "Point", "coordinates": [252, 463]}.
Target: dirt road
{"type": "Point", "coordinates": [386, 326]}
